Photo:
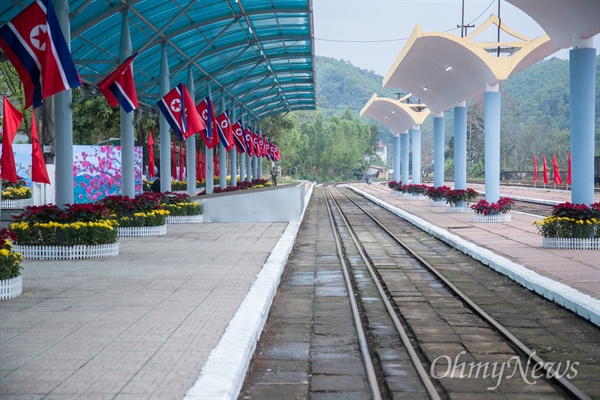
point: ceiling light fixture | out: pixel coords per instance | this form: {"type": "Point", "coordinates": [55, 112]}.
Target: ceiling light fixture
{"type": "Point", "coordinates": [425, 88]}
{"type": "Point", "coordinates": [448, 68]}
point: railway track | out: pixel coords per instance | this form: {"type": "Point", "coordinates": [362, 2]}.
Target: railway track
{"type": "Point", "coordinates": [427, 342]}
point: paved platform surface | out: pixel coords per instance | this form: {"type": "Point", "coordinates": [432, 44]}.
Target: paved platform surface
{"type": "Point", "coordinates": [140, 325]}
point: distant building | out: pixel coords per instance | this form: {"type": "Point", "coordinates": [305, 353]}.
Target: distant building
{"type": "Point", "coordinates": [382, 151]}
{"type": "Point", "coordinates": [378, 172]}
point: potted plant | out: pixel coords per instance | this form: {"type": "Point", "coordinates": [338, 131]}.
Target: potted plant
{"type": "Point", "coordinates": [182, 210]}
{"type": "Point", "coordinates": [77, 231]}
{"type": "Point", "coordinates": [459, 197]}
{"type": "Point", "coordinates": [492, 212]}
{"type": "Point", "coordinates": [436, 194]}
{"type": "Point", "coordinates": [11, 281]}
{"type": "Point", "coordinates": [137, 217]}
{"type": "Point", "coordinates": [571, 226]}
{"type": "Point", "coordinates": [15, 195]}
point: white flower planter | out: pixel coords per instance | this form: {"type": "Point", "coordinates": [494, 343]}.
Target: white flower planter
{"type": "Point", "coordinates": [10, 288]}
{"type": "Point", "coordinates": [21, 203]}
{"type": "Point", "coordinates": [436, 204]}
{"type": "Point", "coordinates": [458, 210]}
{"type": "Point", "coordinates": [571, 243]}
{"type": "Point", "coordinates": [67, 252]}
{"type": "Point", "coordinates": [492, 218]}
{"type": "Point", "coordinates": [184, 219]}
{"type": "Point", "coordinates": [414, 196]}
{"type": "Point", "coordinates": [142, 231]}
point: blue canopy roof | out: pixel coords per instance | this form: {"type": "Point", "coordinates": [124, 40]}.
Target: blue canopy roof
{"type": "Point", "coordinates": [258, 52]}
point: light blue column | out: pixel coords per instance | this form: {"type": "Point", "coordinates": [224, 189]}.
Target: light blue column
{"type": "Point", "coordinates": [491, 136]}
{"type": "Point", "coordinates": [63, 117]}
{"type": "Point", "coordinates": [259, 160]}
{"type": "Point", "coordinates": [210, 168]}
{"type": "Point", "coordinates": [190, 143]}
{"type": "Point", "coordinates": [127, 133]}
{"type": "Point", "coordinates": [165, 134]}
{"type": "Point", "coordinates": [222, 153]}
{"type": "Point", "coordinates": [582, 76]}
{"type": "Point", "coordinates": [248, 158]}
{"type": "Point", "coordinates": [438, 150]}
{"type": "Point", "coordinates": [404, 158]}
{"type": "Point", "coordinates": [415, 137]}
{"type": "Point", "coordinates": [233, 152]}
{"type": "Point", "coordinates": [255, 162]}
{"type": "Point", "coordinates": [396, 157]}
{"type": "Point", "coordinates": [460, 146]}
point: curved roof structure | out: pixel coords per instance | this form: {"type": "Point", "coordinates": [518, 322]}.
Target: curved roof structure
{"type": "Point", "coordinates": [397, 116]}
{"type": "Point", "coordinates": [258, 52]}
{"type": "Point", "coordinates": [561, 19]}
{"type": "Point", "coordinates": [443, 69]}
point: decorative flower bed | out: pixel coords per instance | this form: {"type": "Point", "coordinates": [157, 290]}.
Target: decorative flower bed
{"type": "Point", "coordinates": [15, 195]}
{"type": "Point", "coordinates": [138, 217]}
{"type": "Point", "coordinates": [460, 197]}
{"type": "Point", "coordinates": [182, 210]}
{"type": "Point", "coordinates": [11, 281]}
{"type": "Point", "coordinates": [571, 226]}
{"type": "Point", "coordinates": [78, 231]}
{"type": "Point", "coordinates": [492, 212]}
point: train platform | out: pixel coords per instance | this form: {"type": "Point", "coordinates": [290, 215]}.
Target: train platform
{"type": "Point", "coordinates": [568, 277]}
{"type": "Point", "coordinates": [178, 316]}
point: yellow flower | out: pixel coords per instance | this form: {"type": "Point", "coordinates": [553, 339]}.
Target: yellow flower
{"type": "Point", "coordinates": [4, 252]}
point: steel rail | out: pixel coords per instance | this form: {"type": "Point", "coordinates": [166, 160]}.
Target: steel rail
{"type": "Point", "coordinates": [362, 340]}
{"type": "Point", "coordinates": [520, 346]}
{"type": "Point", "coordinates": [423, 375]}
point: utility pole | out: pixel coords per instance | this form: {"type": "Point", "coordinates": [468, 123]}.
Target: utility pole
{"type": "Point", "coordinates": [462, 26]}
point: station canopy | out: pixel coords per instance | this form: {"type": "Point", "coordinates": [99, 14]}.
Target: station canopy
{"type": "Point", "coordinates": [257, 53]}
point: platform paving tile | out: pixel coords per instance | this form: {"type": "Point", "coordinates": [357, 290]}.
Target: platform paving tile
{"type": "Point", "coordinates": [136, 326]}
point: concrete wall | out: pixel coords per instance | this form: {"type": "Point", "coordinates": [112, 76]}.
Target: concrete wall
{"type": "Point", "coordinates": [276, 204]}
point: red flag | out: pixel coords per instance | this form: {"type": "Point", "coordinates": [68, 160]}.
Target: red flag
{"type": "Point", "coordinates": [200, 166]}
{"type": "Point", "coordinates": [216, 168]}
{"type": "Point", "coordinates": [209, 135]}
{"type": "Point", "coordinates": [39, 173]}
{"type": "Point", "coordinates": [267, 149]}
{"type": "Point", "coordinates": [545, 172]}
{"type": "Point", "coordinates": [225, 131]}
{"type": "Point", "coordinates": [261, 146]}
{"type": "Point", "coordinates": [255, 144]}
{"type": "Point", "coordinates": [181, 161]}
{"type": "Point", "coordinates": [34, 44]}
{"type": "Point", "coordinates": [174, 162]}
{"type": "Point", "coordinates": [535, 176]}
{"type": "Point", "coordinates": [557, 179]}
{"type": "Point", "coordinates": [194, 122]}
{"type": "Point", "coordinates": [569, 170]}
{"type": "Point", "coordinates": [12, 120]}
{"type": "Point", "coordinates": [249, 142]}
{"type": "Point", "coordinates": [119, 88]}
{"type": "Point", "coordinates": [151, 165]}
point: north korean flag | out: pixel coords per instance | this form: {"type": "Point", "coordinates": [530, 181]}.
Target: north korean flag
{"type": "Point", "coordinates": [34, 44]}
{"type": "Point", "coordinates": [119, 87]}
{"type": "Point", "coordinates": [238, 137]}
{"type": "Point", "coordinates": [261, 146]}
{"type": "Point", "coordinates": [172, 106]}
{"type": "Point", "coordinates": [267, 149]}
{"type": "Point", "coordinates": [206, 111]}
{"type": "Point", "coordinates": [225, 131]}
{"type": "Point", "coordinates": [249, 142]}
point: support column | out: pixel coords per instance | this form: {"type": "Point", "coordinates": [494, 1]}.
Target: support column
{"type": "Point", "coordinates": [259, 160]}
{"type": "Point", "coordinates": [582, 78]}
{"type": "Point", "coordinates": [63, 117]}
{"type": "Point", "coordinates": [165, 135]}
{"type": "Point", "coordinates": [438, 150]}
{"type": "Point", "coordinates": [243, 155]}
{"type": "Point", "coordinates": [396, 157]}
{"type": "Point", "coordinates": [233, 152]}
{"type": "Point", "coordinates": [248, 158]}
{"type": "Point", "coordinates": [210, 168]}
{"type": "Point", "coordinates": [415, 137]}
{"type": "Point", "coordinates": [255, 162]}
{"type": "Point", "coordinates": [127, 132]}
{"type": "Point", "coordinates": [460, 146]}
{"type": "Point", "coordinates": [491, 137]}
{"type": "Point", "coordinates": [404, 158]}
{"type": "Point", "coordinates": [190, 144]}
{"type": "Point", "coordinates": [222, 153]}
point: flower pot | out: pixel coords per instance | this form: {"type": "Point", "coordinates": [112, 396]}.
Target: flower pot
{"type": "Point", "coordinates": [142, 231]}
{"type": "Point", "coordinates": [10, 288]}
{"type": "Point", "coordinates": [457, 210]}
{"type": "Point", "coordinates": [20, 203]}
{"type": "Point", "coordinates": [68, 252]}
{"type": "Point", "coordinates": [571, 243]}
{"type": "Point", "coordinates": [436, 204]}
{"type": "Point", "coordinates": [184, 219]}
{"type": "Point", "coordinates": [491, 218]}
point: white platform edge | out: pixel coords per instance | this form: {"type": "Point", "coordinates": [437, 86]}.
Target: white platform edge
{"type": "Point", "coordinates": [580, 303]}
{"type": "Point", "coordinates": [224, 372]}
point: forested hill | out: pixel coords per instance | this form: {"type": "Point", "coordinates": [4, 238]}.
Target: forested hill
{"type": "Point", "coordinates": [341, 86]}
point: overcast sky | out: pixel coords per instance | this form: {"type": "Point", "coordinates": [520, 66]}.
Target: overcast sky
{"type": "Point", "coordinates": [344, 27]}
